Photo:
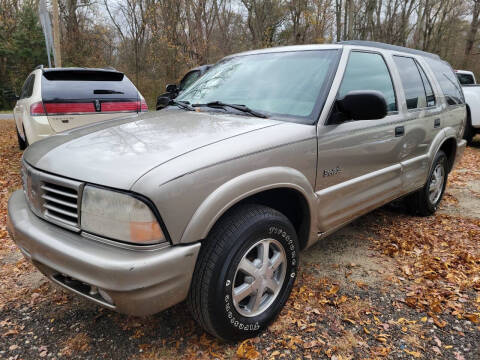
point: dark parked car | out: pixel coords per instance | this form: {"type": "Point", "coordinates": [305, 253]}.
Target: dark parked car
{"type": "Point", "coordinates": [173, 90]}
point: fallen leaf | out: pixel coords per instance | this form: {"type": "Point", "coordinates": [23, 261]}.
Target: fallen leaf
{"type": "Point", "coordinates": [415, 354]}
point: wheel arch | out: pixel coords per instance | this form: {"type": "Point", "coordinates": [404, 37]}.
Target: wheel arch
{"type": "Point", "coordinates": [285, 189]}
{"type": "Point", "coordinates": [449, 147]}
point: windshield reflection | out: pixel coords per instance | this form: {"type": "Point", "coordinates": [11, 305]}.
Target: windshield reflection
{"type": "Point", "coordinates": [284, 83]}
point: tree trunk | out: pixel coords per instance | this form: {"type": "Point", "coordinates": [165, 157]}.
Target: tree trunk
{"type": "Point", "coordinates": [338, 15]}
{"type": "Point", "coordinates": [472, 33]}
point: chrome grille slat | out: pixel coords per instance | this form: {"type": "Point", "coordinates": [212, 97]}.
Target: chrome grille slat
{"type": "Point", "coordinates": [60, 192]}
{"type": "Point", "coordinates": [53, 198]}
{"type": "Point", "coordinates": [61, 219]}
{"type": "Point", "coordinates": [61, 202]}
{"type": "Point", "coordinates": [60, 211]}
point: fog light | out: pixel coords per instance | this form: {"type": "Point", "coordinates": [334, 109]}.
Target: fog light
{"type": "Point", "coordinates": [105, 296]}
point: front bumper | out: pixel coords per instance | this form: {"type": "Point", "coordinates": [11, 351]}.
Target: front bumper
{"type": "Point", "coordinates": [136, 281]}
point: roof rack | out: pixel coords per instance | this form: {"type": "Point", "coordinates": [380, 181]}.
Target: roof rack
{"type": "Point", "coordinates": [380, 45]}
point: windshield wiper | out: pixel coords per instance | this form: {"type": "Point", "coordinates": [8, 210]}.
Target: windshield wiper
{"type": "Point", "coordinates": [242, 108]}
{"type": "Point", "coordinates": [183, 104]}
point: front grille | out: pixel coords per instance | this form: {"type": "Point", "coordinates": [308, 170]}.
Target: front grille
{"type": "Point", "coordinates": [53, 198]}
{"type": "Point", "coordinates": [60, 203]}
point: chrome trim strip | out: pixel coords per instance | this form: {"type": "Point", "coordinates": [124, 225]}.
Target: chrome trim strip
{"type": "Point", "coordinates": [123, 245]}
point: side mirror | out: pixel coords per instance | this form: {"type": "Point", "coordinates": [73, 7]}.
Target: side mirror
{"type": "Point", "coordinates": [172, 88]}
{"type": "Point", "coordinates": [162, 102]}
{"type": "Point", "coordinates": [363, 105]}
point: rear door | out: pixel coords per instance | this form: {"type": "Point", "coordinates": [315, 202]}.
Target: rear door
{"type": "Point", "coordinates": [76, 97]}
{"type": "Point", "coordinates": [422, 121]}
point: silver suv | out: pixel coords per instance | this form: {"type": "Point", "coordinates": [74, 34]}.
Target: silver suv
{"type": "Point", "coordinates": [213, 198]}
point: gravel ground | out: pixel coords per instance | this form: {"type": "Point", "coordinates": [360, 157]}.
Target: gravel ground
{"type": "Point", "coordinates": [351, 299]}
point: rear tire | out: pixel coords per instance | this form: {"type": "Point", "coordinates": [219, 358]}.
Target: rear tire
{"type": "Point", "coordinates": [234, 267]}
{"type": "Point", "coordinates": [469, 132]}
{"type": "Point", "coordinates": [425, 201]}
{"type": "Point", "coordinates": [22, 144]}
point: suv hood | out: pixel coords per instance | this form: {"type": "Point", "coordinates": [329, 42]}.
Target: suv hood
{"type": "Point", "coordinates": [116, 153]}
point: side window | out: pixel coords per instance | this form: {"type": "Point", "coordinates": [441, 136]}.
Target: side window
{"type": "Point", "coordinates": [189, 79]}
{"type": "Point", "coordinates": [368, 71]}
{"type": "Point", "coordinates": [412, 82]}
{"type": "Point", "coordinates": [26, 84]}
{"type": "Point", "coordinates": [448, 81]}
{"type": "Point", "coordinates": [465, 79]}
{"type": "Point", "coordinates": [428, 87]}
{"type": "Point", "coordinates": [30, 86]}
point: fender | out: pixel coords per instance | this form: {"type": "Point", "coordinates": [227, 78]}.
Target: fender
{"type": "Point", "coordinates": [241, 187]}
{"type": "Point", "coordinates": [443, 136]}
{"type": "Point", "coordinates": [437, 143]}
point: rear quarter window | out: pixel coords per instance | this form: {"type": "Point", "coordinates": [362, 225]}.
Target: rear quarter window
{"type": "Point", "coordinates": [86, 85]}
{"type": "Point", "coordinates": [448, 81]}
{"type": "Point", "coordinates": [27, 88]}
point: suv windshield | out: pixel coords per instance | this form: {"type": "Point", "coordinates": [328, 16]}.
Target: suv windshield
{"type": "Point", "coordinates": [289, 85]}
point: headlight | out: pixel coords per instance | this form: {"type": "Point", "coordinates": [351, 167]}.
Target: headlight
{"type": "Point", "coordinates": [119, 216]}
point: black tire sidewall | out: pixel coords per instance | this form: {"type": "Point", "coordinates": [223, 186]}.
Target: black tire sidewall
{"type": "Point", "coordinates": [227, 321]}
{"type": "Point", "coordinates": [439, 158]}
{"type": "Point", "coordinates": [22, 144]}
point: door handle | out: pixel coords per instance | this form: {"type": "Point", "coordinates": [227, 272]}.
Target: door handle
{"type": "Point", "coordinates": [436, 123]}
{"type": "Point", "coordinates": [399, 131]}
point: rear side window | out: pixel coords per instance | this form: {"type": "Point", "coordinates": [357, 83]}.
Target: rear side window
{"type": "Point", "coordinates": [80, 85]}
{"type": "Point", "coordinates": [448, 81]}
{"type": "Point", "coordinates": [368, 71]}
{"type": "Point", "coordinates": [465, 79]}
{"type": "Point", "coordinates": [428, 87]}
{"type": "Point", "coordinates": [417, 88]}
{"type": "Point", "coordinates": [27, 88]}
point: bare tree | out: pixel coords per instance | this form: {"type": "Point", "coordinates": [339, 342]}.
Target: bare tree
{"type": "Point", "coordinates": [264, 18]}
{"type": "Point", "coordinates": [472, 34]}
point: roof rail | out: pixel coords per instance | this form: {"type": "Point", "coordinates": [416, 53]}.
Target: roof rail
{"type": "Point", "coordinates": [110, 68]}
{"type": "Point", "coordinates": [380, 45]}
{"type": "Point", "coordinates": [39, 67]}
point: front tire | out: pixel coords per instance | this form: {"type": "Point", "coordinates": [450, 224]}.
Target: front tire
{"type": "Point", "coordinates": [425, 201]}
{"type": "Point", "coordinates": [245, 272]}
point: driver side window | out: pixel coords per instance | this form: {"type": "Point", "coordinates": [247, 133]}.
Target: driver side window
{"type": "Point", "coordinates": [368, 71]}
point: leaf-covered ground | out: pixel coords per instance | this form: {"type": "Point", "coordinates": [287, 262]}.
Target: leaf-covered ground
{"type": "Point", "coordinates": [388, 285]}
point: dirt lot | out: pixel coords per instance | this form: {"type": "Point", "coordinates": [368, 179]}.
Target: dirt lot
{"type": "Point", "coordinates": [389, 285]}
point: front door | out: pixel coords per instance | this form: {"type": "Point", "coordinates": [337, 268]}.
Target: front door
{"type": "Point", "coordinates": [358, 167]}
